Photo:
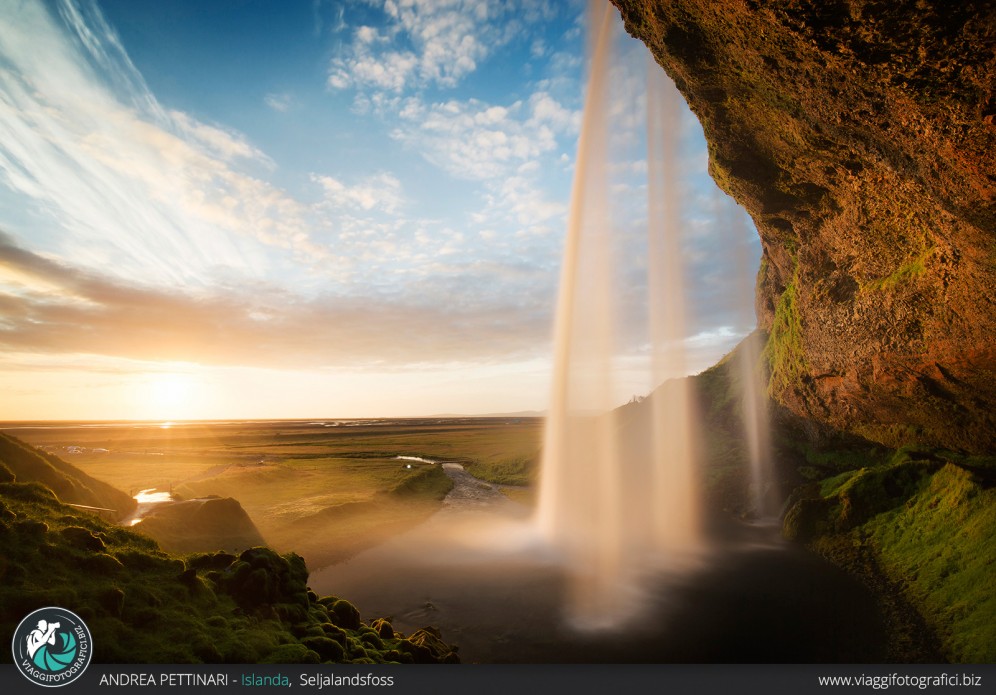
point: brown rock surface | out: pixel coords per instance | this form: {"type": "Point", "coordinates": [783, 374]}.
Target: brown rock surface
{"type": "Point", "coordinates": [860, 136]}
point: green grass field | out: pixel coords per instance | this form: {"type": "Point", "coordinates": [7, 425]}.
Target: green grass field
{"type": "Point", "coordinates": [320, 489]}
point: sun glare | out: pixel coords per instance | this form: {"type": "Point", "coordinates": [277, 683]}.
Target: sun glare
{"type": "Point", "coordinates": [169, 396]}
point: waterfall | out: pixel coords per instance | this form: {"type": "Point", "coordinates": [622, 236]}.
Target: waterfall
{"type": "Point", "coordinates": [752, 379]}
{"type": "Point", "coordinates": [618, 499]}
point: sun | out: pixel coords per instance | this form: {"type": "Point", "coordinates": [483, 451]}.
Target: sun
{"type": "Point", "coordinates": [169, 395]}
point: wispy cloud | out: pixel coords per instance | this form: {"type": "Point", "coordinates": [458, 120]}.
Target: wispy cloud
{"type": "Point", "coordinates": [282, 102]}
{"type": "Point", "coordinates": [99, 46]}
{"type": "Point", "coordinates": [139, 232]}
{"type": "Point", "coordinates": [158, 197]}
{"type": "Point", "coordinates": [477, 141]}
{"type": "Point", "coordinates": [504, 151]}
{"type": "Point", "coordinates": [429, 42]}
{"type": "Point", "coordinates": [224, 144]}
{"type": "Point", "coordinates": [132, 187]}
{"type": "Point", "coordinates": [50, 307]}
{"type": "Point", "coordinates": [382, 191]}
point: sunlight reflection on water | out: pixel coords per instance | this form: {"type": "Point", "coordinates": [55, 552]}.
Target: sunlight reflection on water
{"type": "Point", "coordinates": [152, 496]}
{"type": "Point", "coordinates": [146, 499]}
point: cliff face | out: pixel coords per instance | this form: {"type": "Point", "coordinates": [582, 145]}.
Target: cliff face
{"type": "Point", "coordinates": [861, 137]}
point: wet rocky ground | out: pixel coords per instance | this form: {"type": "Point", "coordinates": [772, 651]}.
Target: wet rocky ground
{"type": "Point", "coordinates": [473, 572]}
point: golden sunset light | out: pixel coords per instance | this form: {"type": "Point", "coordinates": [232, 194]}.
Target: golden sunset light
{"type": "Point", "coordinates": [624, 346]}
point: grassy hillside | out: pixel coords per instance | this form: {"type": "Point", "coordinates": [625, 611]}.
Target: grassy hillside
{"type": "Point", "coordinates": [201, 525]}
{"type": "Point", "coordinates": [144, 605]}
{"type": "Point", "coordinates": [928, 520]}
{"type": "Point", "coordinates": [336, 532]}
{"type": "Point", "coordinates": [72, 485]}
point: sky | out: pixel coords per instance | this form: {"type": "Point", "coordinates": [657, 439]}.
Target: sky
{"type": "Point", "coordinates": [318, 209]}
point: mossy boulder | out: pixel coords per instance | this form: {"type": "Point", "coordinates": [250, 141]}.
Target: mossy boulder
{"type": "Point", "coordinates": [295, 653]}
{"type": "Point", "coordinates": [345, 615]}
{"type": "Point", "coordinates": [211, 561]}
{"type": "Point", "coordinates": [370, 637]}
{"type": "Point", "coordinates": [872, 491]}
{"type": "Point", "coordinates": [261, 578]}
{"type": "Point", "coordinates": [83, 539]}
{"type": "Point", "coordinates": [328, 649]}
{"type": "Point", "coordinates": [102, 565]}
{"type": "Point", "coordinates": [383, 628]}
{"type": "Point", "coordinates": [807, 519]}
{"type": "Point", "coordinates": [426, 646]}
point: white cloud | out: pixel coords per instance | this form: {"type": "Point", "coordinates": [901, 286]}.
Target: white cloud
{"type": "Point", "coordinates": [478, 141]}
{"type": "Point", "coordinates": [390, 71]}
{"type": "Point", "coordinates": [547, 110]}
{"type": "Point", "coordinates": [382, 191]}
{"type": "Point", "coordinates": [521, 199]}
{"type": "Point", "coordinates": [279, 102]}
{"type": "Point", "coordinates": [159, 197]}
{"type": "Point", "coordinates": [61, 309]}
{"type": "Point", "coordinates": [163, 236]}
{"type": "Point", "coordinates": [100, 46]}
{"type": "Point", "coordinates": [367, 35]}
{"type": "Point", "coordinates": [128, 185]}
{"type": "Point", "coordinates": [444, 41]}
{"type": "Point", "coordinates": [219, 142]}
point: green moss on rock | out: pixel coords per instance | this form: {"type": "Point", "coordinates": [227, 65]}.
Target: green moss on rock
{"type": "Point", "coordinates": [345, 615]}
{"type": "Point", "coordinates": [929, 523]}
{"type": "Point", "coordinates": [144, 605]}
{"type": "Point", "coordinates": [784, 350]}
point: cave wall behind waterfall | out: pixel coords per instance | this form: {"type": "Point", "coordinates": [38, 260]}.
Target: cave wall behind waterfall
{"type": "Point", "coordinates": [861, 138]}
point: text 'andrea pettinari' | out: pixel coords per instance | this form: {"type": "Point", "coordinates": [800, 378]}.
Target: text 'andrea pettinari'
{"type": "Point", "coordinates": [163, 679]}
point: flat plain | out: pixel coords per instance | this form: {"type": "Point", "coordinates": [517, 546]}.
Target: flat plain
{"type": "Point", "coordinates": [325, 489]}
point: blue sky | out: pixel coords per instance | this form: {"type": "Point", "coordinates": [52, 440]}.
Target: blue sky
{"type": "Point", "coordinates": [314, 209]}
